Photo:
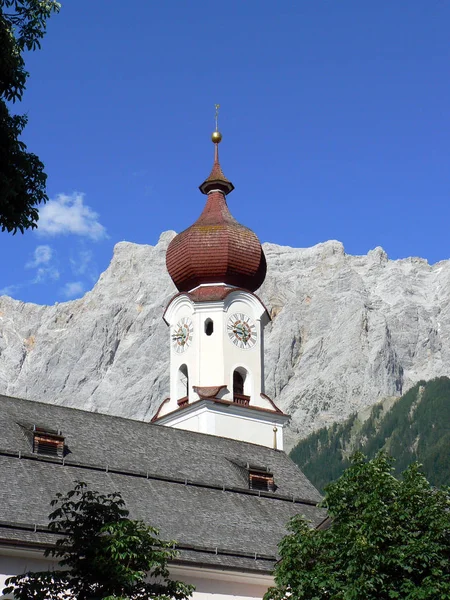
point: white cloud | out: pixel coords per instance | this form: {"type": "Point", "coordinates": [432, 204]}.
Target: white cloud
{"type": "Point", "coordinates": [67, 214]}
{"type": "Point", "coordinates": [45, 269]}
{"type": "Point", "coordinates": [43, 262]}
{"type": "Point", "coordinates": [72, 289]}
{"type": "Point", "coordinates": [45, 273]}
{"type": "Point", "coordinates": [10, 290]}
{"type": "Point", "coordinates": [42, 256]}
{"type": "Point", "coordinates": [82, 263]}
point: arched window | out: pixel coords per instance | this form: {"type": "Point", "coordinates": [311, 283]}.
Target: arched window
{"type": "Point", "coordinates": [209, 327]}
{"type": "Point", "coordinates": [238, 383]}
{"type": "Point", "coordinates": [183, 384]}
{"type": "Point", "coordinates": [241, 386]}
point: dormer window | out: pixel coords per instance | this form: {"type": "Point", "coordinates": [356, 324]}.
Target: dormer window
{"type": "Point", "coordinates": [261, 481]}
{"type": "Point", "coordinates": [48, 442]}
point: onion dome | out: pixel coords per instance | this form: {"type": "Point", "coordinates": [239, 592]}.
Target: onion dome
{"type": "Point", "coordinates": [216, 248]}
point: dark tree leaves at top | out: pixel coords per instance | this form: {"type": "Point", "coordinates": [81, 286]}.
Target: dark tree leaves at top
{"type": "Point", "coordinates": [22, 176]}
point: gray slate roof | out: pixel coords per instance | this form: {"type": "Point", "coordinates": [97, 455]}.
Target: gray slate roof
{"type": "Point", "coordinates": [191, 486]}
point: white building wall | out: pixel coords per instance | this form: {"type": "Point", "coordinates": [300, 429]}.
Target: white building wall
{"type": "Point", "coordinates": [255, 432]}
{"type": "Point", "coordinates": [230, 421]}
{"type": "Point", "coordinates": [210, 584]}
{"type": "Point", "coordinates": [14, 562]}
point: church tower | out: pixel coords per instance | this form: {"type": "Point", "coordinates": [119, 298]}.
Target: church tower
{"type": "Point", "coordinates": [217, 326]}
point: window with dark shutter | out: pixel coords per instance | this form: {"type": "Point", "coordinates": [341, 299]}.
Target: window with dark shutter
{"type": "Point", "coordinates": [261, 481]}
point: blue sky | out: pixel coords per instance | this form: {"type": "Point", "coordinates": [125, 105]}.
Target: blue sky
{"type": "Point", "coordinates": [335, 117]}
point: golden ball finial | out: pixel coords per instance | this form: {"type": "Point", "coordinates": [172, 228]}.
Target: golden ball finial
{"type": "Point", "coordinates": [216, 137]}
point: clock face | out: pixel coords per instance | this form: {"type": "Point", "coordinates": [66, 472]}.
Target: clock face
{"type": "Point", "coordinates": [242, 331]}
{"type": "Point", "coordinates": [182, 335]}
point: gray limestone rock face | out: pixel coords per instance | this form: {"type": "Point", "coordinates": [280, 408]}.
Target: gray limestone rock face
{"type": "Point", "coordinates": [346, 332]}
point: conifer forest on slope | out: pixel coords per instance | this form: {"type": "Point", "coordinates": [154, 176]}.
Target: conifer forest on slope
{"type": "Point", "coordinates": [415, 428]}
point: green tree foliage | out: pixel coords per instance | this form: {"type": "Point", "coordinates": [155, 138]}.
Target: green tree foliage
{"type": "Point", "coordinates": [389, 539]}
{"type": "Point", "coordinates": [416, 428]}
{"type": "Point", "coordinates": [102, 554]}
{"type": "Point", "coordinates": [22, 177]}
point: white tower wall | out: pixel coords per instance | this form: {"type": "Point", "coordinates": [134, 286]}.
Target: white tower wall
{"type": "Point", "coordinates": [202, 366]}
{"type": "Point", "coordinates": [210, 357]}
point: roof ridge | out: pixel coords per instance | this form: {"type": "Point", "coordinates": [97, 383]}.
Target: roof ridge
{"type": "Point", "coordinates": [167, 430]}
{"type": "Point", "coordinates": [180, 546]}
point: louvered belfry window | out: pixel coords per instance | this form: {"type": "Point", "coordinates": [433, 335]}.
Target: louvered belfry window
{"type": "Point", "coordinates": [261, 481]}
{"type": "Point", "coordinates": [48, 442]}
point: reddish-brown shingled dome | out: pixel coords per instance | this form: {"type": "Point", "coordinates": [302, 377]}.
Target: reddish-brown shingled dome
{"type": "Point", "coordinates": [216, 249]}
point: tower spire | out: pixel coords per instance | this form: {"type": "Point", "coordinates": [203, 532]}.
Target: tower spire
{"type": "Point", "coordinates": [217, 325]}
{"type": "Point", "coordinates": [217, 106]}
{"type": "Point", "coordinates": [216, 180]}
{"type": "Point", "coordinates": [216, 136]}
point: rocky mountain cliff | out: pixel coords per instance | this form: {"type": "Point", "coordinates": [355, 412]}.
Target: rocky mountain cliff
{"type": "Point", "coordinates": [346, 332]}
